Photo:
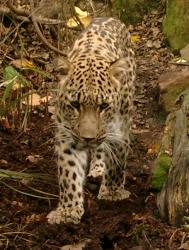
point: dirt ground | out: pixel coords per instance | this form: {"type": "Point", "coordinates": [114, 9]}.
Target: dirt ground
{"type": "Point", "coordinates": [129, 224]}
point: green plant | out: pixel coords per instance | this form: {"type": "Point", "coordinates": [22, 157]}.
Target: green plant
{"type": "Point", "coordinates": [16, 96]}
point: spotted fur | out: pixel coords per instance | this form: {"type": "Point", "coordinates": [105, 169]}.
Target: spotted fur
{"type": "Point", "coordinates": [93, 114]}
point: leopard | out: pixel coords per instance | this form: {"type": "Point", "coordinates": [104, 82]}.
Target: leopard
{"type": "Point", "coordinates": [93, 116]}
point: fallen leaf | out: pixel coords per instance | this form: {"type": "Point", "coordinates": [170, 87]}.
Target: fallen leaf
{"type": "Point", "coordinates": [17, 204]}
{"type": "Point", "coordinates": [33, 158]}
{"type": "Point", "coordinates": [80, 12]}
{"type": "Point", "coordinates": [34, 99]}
{"type": "Point", "coordinates": [22, 63]}
{"type": "Point", "coordinates": [5, 123]}
{"type": "Point", "coordinates": [2, 161]}
{"type": "Point", "coordinates": [154, 149]}
{"type": "Point", "coordinates": [84, 17]}
{"type": "Point", "coordinates": [79, 246]}
{"type": "Point", "coordinates": [135, 38]}
{"type": "Point", "coordinates": [35, 218]}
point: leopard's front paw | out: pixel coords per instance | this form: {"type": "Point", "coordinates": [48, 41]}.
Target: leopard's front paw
{"type": "Point", "coordinates": [66, 215]}
{"type": "Point", "coordinates": [113, 195]}
{"type": "Point", "coordinates": [96, 171]}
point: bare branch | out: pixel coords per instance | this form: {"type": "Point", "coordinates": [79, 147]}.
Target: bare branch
{"type": "Point", "coordinates": [20, 12]}
{"type": "Point", "coordinates": [40, 34]}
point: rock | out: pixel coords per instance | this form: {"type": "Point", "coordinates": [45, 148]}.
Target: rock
{"type": "Point", "coordinates": [171, 85]}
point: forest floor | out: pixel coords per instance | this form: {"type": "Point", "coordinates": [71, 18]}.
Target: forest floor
{"type": "Point", "coordinates": [129, 224]}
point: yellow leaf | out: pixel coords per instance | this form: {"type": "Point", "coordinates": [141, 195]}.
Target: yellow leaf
{"type": "Point", "coordinates": [22, 63]}
{"type": "Point", "coordinates": [135, 38]}
{"type": "Point", "coordinates": [80, 12]}
{"type": "Point", "coordinates": [84, 17]}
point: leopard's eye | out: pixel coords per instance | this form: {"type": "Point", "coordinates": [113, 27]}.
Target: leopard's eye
{"type": "Point", "coordinates": [75, 104]}
{"type": "Point", "coordinates": [104, 105]}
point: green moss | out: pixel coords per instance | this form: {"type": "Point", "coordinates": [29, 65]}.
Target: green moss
{"type": "Point", "coordinates": [176, 23]}
{"type": "Point", "coordinates": [160, 170]}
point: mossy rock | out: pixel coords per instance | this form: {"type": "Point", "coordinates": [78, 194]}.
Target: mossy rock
{"type": "Point", "coordinates": [176, 23]}
{"type": "Point", "coordinates": [160, 170]}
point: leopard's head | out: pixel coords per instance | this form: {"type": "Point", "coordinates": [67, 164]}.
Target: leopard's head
{"type": "Point", "coordinates": [89, 100]}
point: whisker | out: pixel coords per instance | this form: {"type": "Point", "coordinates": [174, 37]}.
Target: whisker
{"type": "Point", "coordinates": [111, 153]}
{"type": "Point", "coordinates": [117, 137]}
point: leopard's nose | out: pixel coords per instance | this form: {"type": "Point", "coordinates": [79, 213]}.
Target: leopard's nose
{"type": "Point", "coordinates": [88, 139]}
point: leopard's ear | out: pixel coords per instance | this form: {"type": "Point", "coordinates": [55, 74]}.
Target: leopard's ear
{"type": "Point", "coordinates": [61, 65]}
{"type": "Point", "coordinates": [117, 70]}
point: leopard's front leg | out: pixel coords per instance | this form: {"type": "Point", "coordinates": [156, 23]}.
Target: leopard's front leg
{"type": "Point", "coordinates": [113, 182]}
{"type": "Point", "coordinates": [71, 175]}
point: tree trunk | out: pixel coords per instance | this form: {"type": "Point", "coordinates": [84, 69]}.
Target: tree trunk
{"type": "Point", "coordinates": [176, 23]}
{"type": "Point", "coordinates": [173, 200]}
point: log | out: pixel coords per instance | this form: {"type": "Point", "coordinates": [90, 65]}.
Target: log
{"type": "Point", "coordinates": [173, 199]}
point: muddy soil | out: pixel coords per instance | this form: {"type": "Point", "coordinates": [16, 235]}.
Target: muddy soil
{"type": "Point", "coordinates": [129, 224]}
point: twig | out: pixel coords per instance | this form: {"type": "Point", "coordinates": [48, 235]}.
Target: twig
{"type": "Point", "coordinates": [40, 34]}
{"type": "Point", "coordinates": [25, 193]}
{"type": "Point", "coordinates": [172, 237]}
{"type": "Point", "coordinates": [92, 6]}
{"type": "Point", "coordinates": [24, 15]}
{"type": "Point", "coordinates": [148, 244]}
{"type": "Point", "coordinates": [42, 192]}
{"type": "Point", "coordinates": [4, 173]}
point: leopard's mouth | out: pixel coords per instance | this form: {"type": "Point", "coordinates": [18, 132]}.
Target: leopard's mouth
{"type": "Point", "coordinates": [88, 143]}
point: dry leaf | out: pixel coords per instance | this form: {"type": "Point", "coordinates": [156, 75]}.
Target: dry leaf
{"type": "Point", "coordinates": [35, 99]}
{"type": "Point", "coordinates": [79, 246]}
{"type": "Point", "coordinates": [84, 17]}
{"type": "Point", "coordinates": [35, 218]}
{"type": "Point", "coordinates": [154, 149]}
{"type": "Point", "coordinates": [5, 123]}
{"type": "Point", "coordinates": [135, 38]}
{"type": "Point", "coordinates": [17, 204]}
{"type": "Point", "coordinates": [81, 13]}
{"type": "Point", "coordinates": [33, 158]}
{"type": "Point", "coordinates": [2, 161]}
{"type": "Point", "coordinates": [22, 63]}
